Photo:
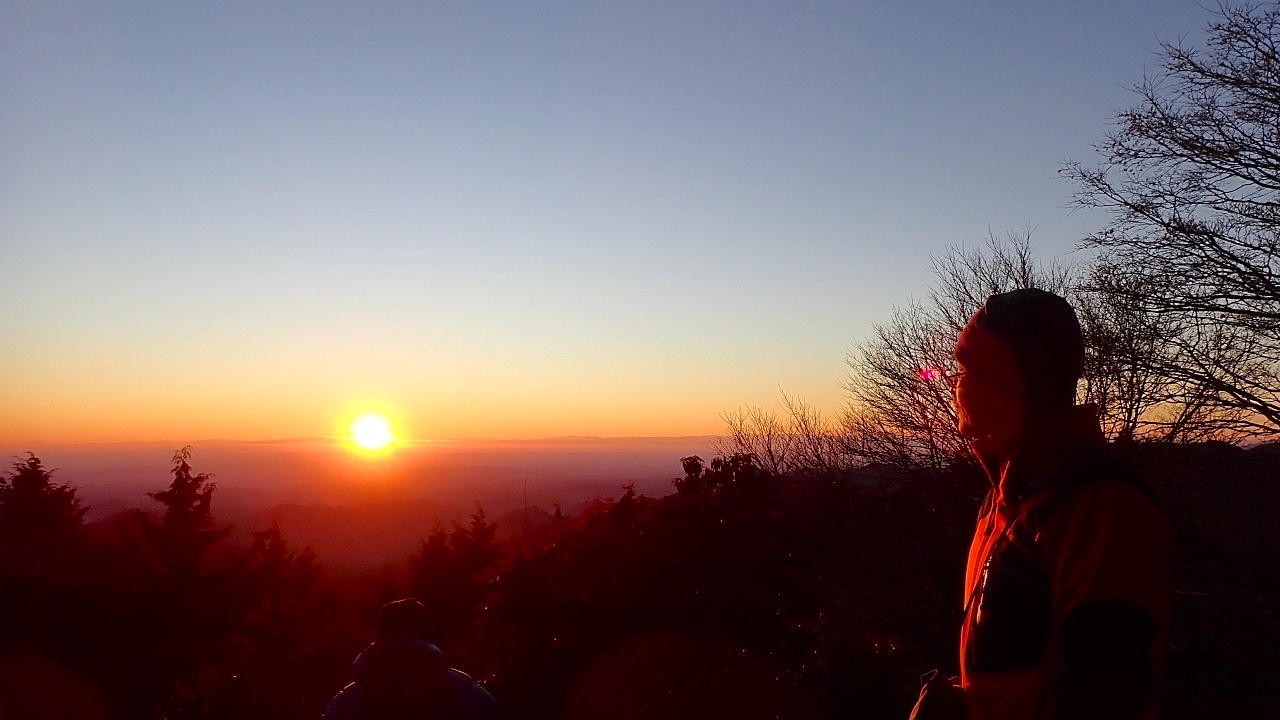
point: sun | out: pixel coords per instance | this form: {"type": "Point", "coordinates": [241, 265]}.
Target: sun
{"type": "Point", "coordinates": [371, 432]}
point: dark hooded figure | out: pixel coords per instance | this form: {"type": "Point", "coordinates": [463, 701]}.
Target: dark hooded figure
{"type": "Point", "coordinates": [402, 676]}
{"type": "Point", "coordinates": [1068, 588]}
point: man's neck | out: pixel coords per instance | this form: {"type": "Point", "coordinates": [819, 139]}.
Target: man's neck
{"type": "Point", "coordinates": [1043, 446]}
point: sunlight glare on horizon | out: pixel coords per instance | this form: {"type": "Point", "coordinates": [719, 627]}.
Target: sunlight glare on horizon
{"type": "Point", "coordinates": [372, 432]}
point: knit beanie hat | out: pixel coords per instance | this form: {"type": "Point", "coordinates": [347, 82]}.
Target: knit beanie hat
{"type": "Point", "coordinates": [1041, 332]}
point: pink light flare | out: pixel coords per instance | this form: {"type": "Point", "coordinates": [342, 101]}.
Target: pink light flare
{"type": "Point", "coordinates": [929, 374]}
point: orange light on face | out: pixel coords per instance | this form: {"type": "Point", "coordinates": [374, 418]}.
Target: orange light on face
{"type": "Point", "coordinates": [371, 432]}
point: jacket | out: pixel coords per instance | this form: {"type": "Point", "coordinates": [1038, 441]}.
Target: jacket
{"type": "Point", "coordinates": [1068, 588]}
{"type": "Point", "coordinates": [408, 679]}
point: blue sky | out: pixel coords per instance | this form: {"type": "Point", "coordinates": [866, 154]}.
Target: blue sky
{"type": "Point", "coordinates": [511, 220]}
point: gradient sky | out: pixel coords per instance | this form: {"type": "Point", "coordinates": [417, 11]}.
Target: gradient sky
{"type": "Point", "coordinates": [251, 220]}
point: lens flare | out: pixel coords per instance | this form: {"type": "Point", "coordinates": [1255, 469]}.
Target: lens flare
{"type": "Point", "coordinates": [929, 374]}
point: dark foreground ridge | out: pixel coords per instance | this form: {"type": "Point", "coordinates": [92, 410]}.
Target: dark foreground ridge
{"type": "Point", "coordinates": [747, 592]}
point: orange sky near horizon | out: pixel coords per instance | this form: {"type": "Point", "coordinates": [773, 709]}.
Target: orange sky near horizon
{"type": "Point", "coordinates": [235, 412]}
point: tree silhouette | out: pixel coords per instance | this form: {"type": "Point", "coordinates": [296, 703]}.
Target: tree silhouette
{"type": "Point", "coordinates": [33, 507]}
{"type": "Point", "coordinates": [186, 502]}
{"type": "Point", "coordinates": [449, 572]}
{"type": "Point", "coordinates": [187, 528]}
{"type": "Point", "coordinates": [1191, 178]}
{"type": "Point", "coordinates": [899, 412]}
{"type": "Point", "coordinates": [739, 470]}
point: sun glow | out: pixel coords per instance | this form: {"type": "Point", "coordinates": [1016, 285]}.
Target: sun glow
{"type": "Point", "coordinates": [371, 432]}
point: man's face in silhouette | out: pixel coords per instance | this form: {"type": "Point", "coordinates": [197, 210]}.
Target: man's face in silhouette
{"type": "Point", "coordinates": [988, 392]}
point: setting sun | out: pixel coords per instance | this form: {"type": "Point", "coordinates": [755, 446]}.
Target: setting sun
{"type": "Point", "coordinates": [371, 432]}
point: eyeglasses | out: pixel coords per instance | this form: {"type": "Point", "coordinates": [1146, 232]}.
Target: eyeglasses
{"type": "Point", "coordinates": [932, 374]}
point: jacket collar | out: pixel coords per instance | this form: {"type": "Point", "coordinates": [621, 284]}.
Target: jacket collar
{"type": "Point", "coordinates": [1035, 457]}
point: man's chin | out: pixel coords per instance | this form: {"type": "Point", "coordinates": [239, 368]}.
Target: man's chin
{"type": "Point", "coordinates": [984, 441]}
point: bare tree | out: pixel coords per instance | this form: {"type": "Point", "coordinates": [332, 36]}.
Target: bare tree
{"type": "Point", "coordinates": [801, 441]}
{"type": "Point", "coordinates": [1192, 180]}
{"type": "Point", "coordinates": [900, 409]}
{"type": "Point", "coordinates": [1133, 365]}
{"type": "Point", "coordinates": [900, 412]}
{"type": "Point", "coordinates": [756, 431]}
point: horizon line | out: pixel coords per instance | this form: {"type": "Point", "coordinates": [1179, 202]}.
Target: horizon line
{"type": "Point", "coordinates": [340, 438]}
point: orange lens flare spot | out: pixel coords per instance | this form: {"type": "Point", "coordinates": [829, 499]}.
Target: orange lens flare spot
{"type": "Point", "coordinates": [371, 432]}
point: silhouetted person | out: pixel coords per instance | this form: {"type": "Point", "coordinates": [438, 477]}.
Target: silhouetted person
{"type": "Point", "coordinates": [403, 676]}
{"type": "Point", "coordinates": [1068, 584]}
